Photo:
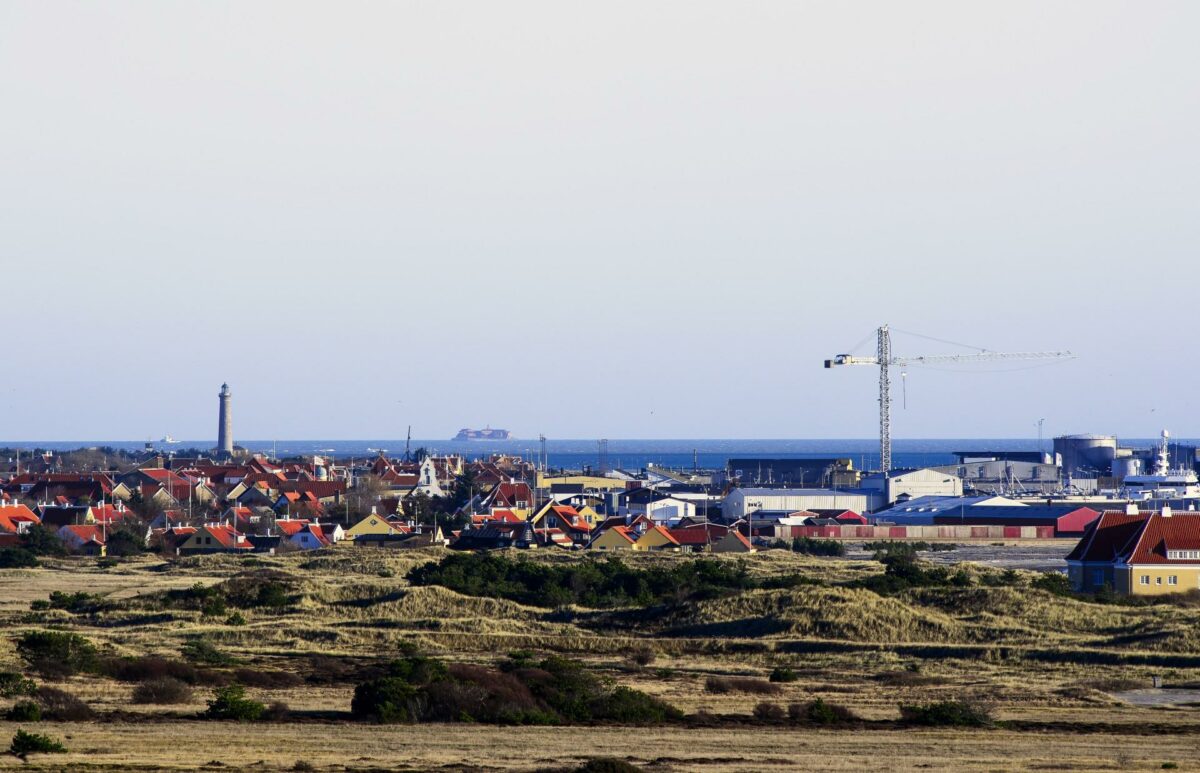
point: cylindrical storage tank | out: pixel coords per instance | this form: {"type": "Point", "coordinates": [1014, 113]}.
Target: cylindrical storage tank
{"type": "Point", "coordinates": [1126, 466]}
{"type": "Point", "coordinates": [1091, 454]}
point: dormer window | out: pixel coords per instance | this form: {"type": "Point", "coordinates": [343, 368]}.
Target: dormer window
{"type": "Point", "coordinates": [1183, 555]}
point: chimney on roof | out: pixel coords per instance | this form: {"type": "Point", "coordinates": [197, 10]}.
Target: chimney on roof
{"type": "Point", "coordinates": [1131, 508]}
{"type": "Point", "coordinates": [1166, 511]}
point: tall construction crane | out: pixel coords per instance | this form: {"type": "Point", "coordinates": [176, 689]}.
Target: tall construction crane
{"type": "Point", "coordinates": [884, 359]}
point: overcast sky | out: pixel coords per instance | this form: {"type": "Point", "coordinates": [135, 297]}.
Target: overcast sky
{"type": "Point", "coordinates": [620, 219]}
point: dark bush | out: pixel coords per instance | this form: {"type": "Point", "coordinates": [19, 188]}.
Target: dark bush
{"type": "Point", "coordinates": [203, 651]}
{"type": "Point", "coordinates": [235, 619]}
{"type": "Point", "coordinates": [820, 712]}
{"type": "Point", "coordinates": [62, 706]}
{"type": "Point", "coordinates": [162, 691]}
{"type": "Point", "coordinates": [641, 657]}
{"type": "Point", "coordinates": [782, 674]}
{"type": "Point", "coordinates": [14, 685]}
{"type": "Point", "coordinates": [1054, 582]}
{"type": "Point", "coordinates": [24, 711]}
{"type": "Point", "coordinates": [725, 684]}
{"type": "Point", "coordinates": [17, 558]}
{"type": "Point", "coordinates": [597, 583]}
{"type": "Point", "coordinates": [76, 603]}
{"type": "Point", "coordinates": [946, 714]}
{"type": "Point", "coordinates": [902, 571]}
{"type": "Point", "coordinates": [633, 707]}
{"type": "Point", "coordinates": [213, 607]}
{"type": "Point", "coordinates": [553, 691]}
{"type": "Point", "coordinates": [56, 654]}
{"type": "Point", "coordinates": [266, 679]}
{"type": "Point", "coordinates": [42, 541]}
{"type": "Point", "coordinates": [147, 668]}
{"type": "Point", "coordinates": [230, 702]}
{"type": "Point", "coordinates": [818, 547]}
{"type": "Point", "coordinates": [125, 542]}
{"type": "Point", "coordinates": [277, 711]}
{"type": "Point", "coordinates": [608, 765]}
{"type": "Point", "coordinates": [418, 669]}
{"type": "Point", "coordinates": [907, 678]}
{"type": "Point", "coordinates": [27, 743]}
{"type": "Point", "coordinates": [389, 700]}
{"type": "Point", "coordinates": [768, 712]}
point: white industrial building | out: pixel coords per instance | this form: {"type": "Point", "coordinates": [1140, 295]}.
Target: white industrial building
{"type": "Point", "coordinates": [744, 501]}
{"type": "Point", "coordinates": [914, 483]}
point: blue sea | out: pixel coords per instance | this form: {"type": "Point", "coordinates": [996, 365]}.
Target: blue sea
{"type": "Point", "coordinates": [623, 454]}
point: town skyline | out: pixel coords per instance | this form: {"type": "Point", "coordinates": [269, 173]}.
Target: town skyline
{"type": "Point", "coordinates": [569, 226]}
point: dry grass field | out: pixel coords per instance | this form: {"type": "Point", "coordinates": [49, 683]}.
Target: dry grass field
{"type": "Point", "coordinates": [1046, 665]}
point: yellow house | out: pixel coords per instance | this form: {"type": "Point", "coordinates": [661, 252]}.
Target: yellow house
{"type": "Point", "coordinates": [614, 539]}
{"type": "Point", "coordinates": [373, 524]}
{"type": "Point", "coordinates": [733, 542]}
{"type": "Point", "coordinates": [577, 516]}
{"type": "Point", "coordinates": [657, 538]}
{"type": "Point", "coordinates": [1139, 554]}
{"type": "Point", "coordinates": [594, 482]}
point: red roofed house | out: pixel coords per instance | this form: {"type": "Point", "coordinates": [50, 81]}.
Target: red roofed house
{"type": "Point", "coordinates": [1138, 554]}
{"type": "Point", "coordinates": [16, 518]}
{"type": "Point", "coordinates": [699, 537]}
{"type": "Point", "coordinates": [615, 538]}
{"type": "Point", "coordinates": [88, 540]}
{"type": "Point", "coordinates": [214, 539]}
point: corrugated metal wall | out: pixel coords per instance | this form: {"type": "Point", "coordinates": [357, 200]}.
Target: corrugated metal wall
{"type": "Point", "coordinates": [916, 532]}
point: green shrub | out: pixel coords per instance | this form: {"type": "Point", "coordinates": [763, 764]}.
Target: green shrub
{"type": "Point", "coordinates": [213, 606]}
{"type": "Point", "coordinates": [42, 541]}
{"type": "Point", "coordinates": [107, 562]}
{"type": "Point", "coordinates": [782, 674]}
{"type": "Point", "coordinates": [418, 669]}
{"type": "Point", "coordinates": [820, 712]}
{"type": "Point", "coordinates": [230, 702]}
{"type": "Point", "coordinates": [14, 685]}
{"type": "Point", "coordinates": [632, 707]}
{"type": "Point", "coordinates": [75, 603]}
{"type": "Point", "coordinates": [389, 700]}
{"type": "Point", "coordinates": [818, 547]}
{"type": "Point", "coordinates": [947, 714]}
{"type": "Point", "coordinates": [596, 582]}
{"type": "Point", "coordinates": [17, 558]}
{"type": "Point", "coordinates": [1054, 582]}
{"type": "Point", "coordinates": [125, 542]}
{"type": "Point", "coordinates": [24, 711]}
{"type": "Point", "coordinates": [200, 650]}
{"type": "Point", "coordinates": [235, 619]}
{"type": "Point", "coordinates": [24, 743]}
{"type": "Point", "coordinates": [57, 653]}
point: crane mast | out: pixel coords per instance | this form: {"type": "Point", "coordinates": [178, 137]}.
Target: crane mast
{"type": "Point", "coordinates": [884, 360]}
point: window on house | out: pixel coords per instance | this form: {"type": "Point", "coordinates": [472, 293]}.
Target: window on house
{"type": "Point", "coordinates": [1158, 581]}
{"type": "Point", "coordinates": [1173, 580]}
{"type": "Point", "coordinates": [1098, 577]}
{"type": "Point", "coordinates": [1144, 579]}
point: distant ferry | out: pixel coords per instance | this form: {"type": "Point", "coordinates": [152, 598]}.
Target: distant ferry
{"type": "Point", "coordinates": [169, 440]}
{"type": "Point", "coordinates": [483, 434]}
